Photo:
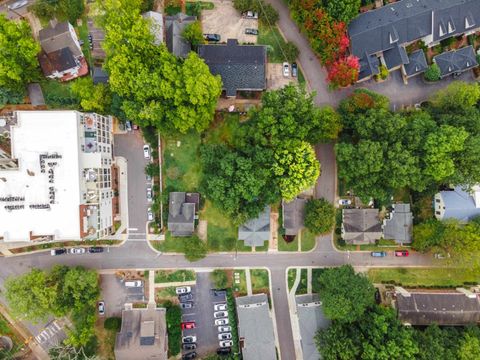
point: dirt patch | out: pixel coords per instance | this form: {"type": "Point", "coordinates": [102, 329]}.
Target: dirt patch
{"type": "Point", "coordinates": [202, 230]}
{"type": "Point", "coordinates": [275, 78]}
{"type": "Point", "coordinates": [226, 21]}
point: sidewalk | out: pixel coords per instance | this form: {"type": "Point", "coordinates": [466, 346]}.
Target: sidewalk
{"type": "Point", "coordinates": [292, 306]}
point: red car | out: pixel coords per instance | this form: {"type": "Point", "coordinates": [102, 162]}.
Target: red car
{"type": "Point", "coordinates": [401, 253]}
{"type": "Point", "coordinates": [188, 325]}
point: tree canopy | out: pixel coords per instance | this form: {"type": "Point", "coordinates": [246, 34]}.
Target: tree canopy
{"type": "Point", "coordinates": [342, 10]}
{"type": "Point", "coordinates": [63, 10]}
{"type": "Point", "coordinates": [319, 216]}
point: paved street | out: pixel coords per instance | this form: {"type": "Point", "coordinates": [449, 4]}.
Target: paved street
{"type": "Point", "coordinates": [13, 14]}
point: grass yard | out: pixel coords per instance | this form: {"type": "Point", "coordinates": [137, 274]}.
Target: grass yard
{"type": "Point", "coordinates": [241, 287]}
{"type": "Point", "coordinates": [308, 240]}
{"type": "Point", "coordinates": [166, 276]}
{"type": "Point", "coordinates": [260, 280]}
{"type": "Point", "coordinates": [7, 330]}
{"type": "Point", "coordinates": [221, 233]}
{"type": "Point", "coordinates": [83, 35]}
{"type": "Point", "coordinates": [264, 247]}
{"type": "Point", "coordinates": [424, 277]}
{"type": "Point", "coordinates": [59, 95]}
{"type": "Point", "coordinates": [163, 295]}
{"type": "Point", "coordinates": [224, 129]}
{"type": "Point", "coordinates": [302, 285]}
{"type": "Point", "coordinates": [315, 284]}
{"type": "Point", "coordinates": [284, 246]}
{"type": "Point", "coordinates": [274, 41]}
{"type": "Point", "coordinates": [106, 346]}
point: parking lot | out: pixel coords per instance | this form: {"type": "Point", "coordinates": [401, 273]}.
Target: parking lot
{"type": "Point", "coordinates": [115, 294]}
{"type": "Point", "coordinates": [275, 78]}
{"type": "Point", "coordinates": [205, 330]}
{"type": "Point", "coordinates": [224, 20]}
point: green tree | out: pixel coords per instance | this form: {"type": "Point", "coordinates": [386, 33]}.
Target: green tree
{"type": "Point", "coordinates": [193, 33]}
{"type": "Point", "coordinates": [8, 96]}
{"type": "Point", "coordinates": [18, 58]}
{"type": "Point", "coordinates": [428, 235]}
{"type": "Point", "coordinates": [433, 73]}
{"type": "Point", "coordinates": [63, 10]}
{"type": "Point", "coordinates": [219, 278]}
{"type": "Point", "coordinates": [457, 95]}
{"type": "Point", "coordinates": [469, 345]}
{"type": "Point", "coordinates": [95, 98]}
{"type": "Point", "coordinates": [345, 295]}
{"type": "Point", "coordinates": [295, 168]}
{"type": "Point", "coordinates": [342, 10]}
{"type": "Point", "coordinates": [319, 216]}
{"type": "Point", "coordinates": [291, 52]}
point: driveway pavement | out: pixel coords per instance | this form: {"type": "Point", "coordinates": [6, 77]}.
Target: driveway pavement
{"type": "Point", "coordinates": [14, 14]}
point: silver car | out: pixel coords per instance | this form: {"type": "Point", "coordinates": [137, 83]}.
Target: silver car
{"type": "Point", "coordinates": [18, 4]}
{"type": "Point", "coordinates": [220, 314]}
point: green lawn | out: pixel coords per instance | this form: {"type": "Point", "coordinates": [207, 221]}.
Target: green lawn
{"type": "Point", "coordinates": [7, 330]}
{"type": "Point", "coordinates": [428, 277]}
{"type": "Point", "coordinates": [83, 35]}
{"type": "Point", "coordinates": [165, 276]}
{"type": "Point", "coordinates": [308, 240]}
{"type": "Point", "coordinates": [221, 233]}
{"type": "Point", "coordinates": [241, 288]}
{"type": "Point", "coordinates": [59, 95]}
{"type": "Point", "coordinates": [302, 286]}
{"type": "Point", "coordinates": [274, 41]}
{"type": "Point", "coordinates": [224, 129]}
{"type": "Point", "coordinates": [264, 247]}
{"type": "Point", "coordinates": [284, 246]}
{"type": "Point", "coordinates": [260, 280]}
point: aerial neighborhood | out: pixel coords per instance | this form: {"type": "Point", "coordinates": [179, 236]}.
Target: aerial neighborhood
{"type": "Point", "coordinates": [240, 179]}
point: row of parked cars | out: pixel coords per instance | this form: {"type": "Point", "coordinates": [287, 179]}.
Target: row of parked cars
{"type": "Point", "coordinates": [401, 253]}
{"type": "Point", "coordinates": [76, 251]}
{"type": "Point", "coordinates": [189, 342]}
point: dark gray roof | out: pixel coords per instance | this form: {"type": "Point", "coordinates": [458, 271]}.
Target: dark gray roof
{"type": "Point", "coordinates": [58, 60]}
{"type": "Point", "coordinates": [54, 38]}
{"type": "Point", "coordinates": [256, 231]}
{"type": "Point", "coordinates": [395, 57]}
{"type": "Point", "coordinates": [143, 335]}
{"type": "Point", "coordinates": [255, 328]}
{"type": "Point", "coordinates": [99, 75]}
{"type": "Point", "coordinates": [425, 308]}
{"type": "Point", "coordinates": [369, 66]}
{"type": "Point", "coordinates": [361, 225]}
{"type": "Point", "coordinates": [417, 63]}
{"type": "Point", "coordinates": [454, 17]}
{"type": "Point", "coordinates": [459, 204]}
{"type": "Point", "coordinates": [400, 226]}
{"type": "Point", "coordinates": [176, 44]}
{"type": "Point", "coordinates": [241, 67]}
{"type": "Point", "coordinates": [455, 61]}
{"type": "Point", "coordinates": [181, 215]}
{"type": "Point", "coordinates": [293, 216]}
{"type": "Point", "coordinates": [52, 31]}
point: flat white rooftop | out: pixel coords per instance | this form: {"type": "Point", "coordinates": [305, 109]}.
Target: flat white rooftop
{"type": "Point", "coordinates": [46, 186]}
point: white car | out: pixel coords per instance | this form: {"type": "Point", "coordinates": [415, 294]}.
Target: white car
{"type": "Point", "coordinates": [189, 339]}
{"type": "Point", "coordinates": [149, 194]}
{"type": "Point", "coordinates": [225, 343]}
{"type": "Point", "coordinates": [146, 151]}
{"type": "Point", "coordinates": [18, 4]}
{"type": "Point", "coordinates": [286, 69]}
{"type": "Point", "coordinates": [224, 336]}
{"type": "Point", "coordinates": [222, 329]}
{"type": "Point", "coordinates": [183, 290]}
{"type": "Point", "coordinates": [220, 307]}
{"type": "Point", "coordinates": [344, 202]}
{"type": "Point", "coordinates": [219, 322]}
{"type": "Point", "coordinates": [101, 308]}
{"type": "Point", "coordinates": [220, 314]}
{"type": "Point", "coordinates": [76, 251]}
{"type": "Point", "coordinates": [149, 214]}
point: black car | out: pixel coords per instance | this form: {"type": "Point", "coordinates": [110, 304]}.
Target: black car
{"type": "Point", "coordinates": [189, 346]}
{"type": "Point", "coordinates": [294, 70]}
{"type": "Point", "coordinates": [224, 351]}
{"type": "Point", "coordinates": [186, 305]}
{"type": "Point", "coordinates": [95, 249]}
{"type": "Point", "coordinates": [185, 297]}
{"type": "Point", "coordinates": [190, 355]}
{"type": "Point", "coordinates": [55, 252]}
{"type": "Point", "coordinates": [212, 37]}
{"type": "Point", "coordinates": [251, 31]}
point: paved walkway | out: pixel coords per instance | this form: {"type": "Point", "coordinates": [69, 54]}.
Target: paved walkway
{"type": "Point", "coordinates": [292, 307]}
{"type": "Point", "coordinates": [309, 280]}
{"type": "Point", "coordinates": [151, 287]}
{"type": "Point", "coordinates": [248, 279]}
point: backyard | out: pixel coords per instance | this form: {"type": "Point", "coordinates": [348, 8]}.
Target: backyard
{"type": "Point", "coordinates": [167, 276]}
{"type": "Point", "coordinates": [307, 242]}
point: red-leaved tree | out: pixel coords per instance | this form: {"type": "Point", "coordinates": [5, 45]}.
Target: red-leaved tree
{"type": "Point", "coordinates": [343, 72]}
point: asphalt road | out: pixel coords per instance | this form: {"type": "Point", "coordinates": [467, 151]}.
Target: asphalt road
{"type": "Point", "coordinates": [13, 14]}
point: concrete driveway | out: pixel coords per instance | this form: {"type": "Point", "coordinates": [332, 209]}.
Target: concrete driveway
{"type": "Point", "coordinates": [224, 20]}
{"type": "Point", "coordinates": [275, 78]}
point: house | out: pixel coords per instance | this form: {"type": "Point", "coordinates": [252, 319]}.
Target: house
{"type": "Point", "coordinates": [174, 26]}
{"type": "Point", "coordinates": [256, 231]}
{"type": "Point", "coordinates": [156, 25]}
{"type": "Point", "coordinates": [182, 208]}
{"type": "Point", "coordinates": [458, 204]}
{"type": "Point", "coordinates": [241, 67]}
{"type": "Point", "coordinates": [456, 61]}
{"type": "Point", "coordinates": [57, 177]}
{"type": "Point", "coordinates": [400, 225]}
{"type": "Point", "coordinates": [61, 56]}
{"type": "Point", "coordinates": [255, 328]}
{"type": "Point", "coordinates": [417, 64]}
{"type": "Point", "coordinates": [293, 216]}
{"type": "Point", "coordinates": [361, 226]}
{"type": "Point", "coordinates": [380, 36]}
{"type": "Point", "coordinates": [143, 335]}
{"type": "Point", "coordinates": [99, 76]}
{"type": "Point", "coordinates": [445, 308]}
{"type": "Point", "coordinates": [310, 319]}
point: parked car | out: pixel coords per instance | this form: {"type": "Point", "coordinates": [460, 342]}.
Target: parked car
{"type": "Point", "coordinates": [344, 202]}
{"type": "Point", "coordinates": [224, 351]}
{"type": "Point", "coordinates": [188, 325]}
{"type": "Point", "coordinates": [101, 308]}
{"type": "Point", "coordinates": [378, 253]}
{"type": "Point", "coordinates": [149, 194]}
{"type": "Point", "coordinates": [18, 4]}
{"type": "Point", "coordinates": [186, 305]}
{"type": "Point", "coordinates": [54, 252]}
{"type": "Point", "coordinates": [149, 214]}
{"type": "Point", "coordinates": [250, 31]}
{"type": "Point", "coordinates": [190, 355]}
{"type": "Point", "coordinates": [219, 322]}
{"type": "Point", "coordinates": [212, 37]}
{"type": "Point", "coordinates": [81, 42]}
{"type": "Point", "coordinates": [224, 336]}
{"type": "Point", "coordinates": [189, 339]}
{"type": "Point", "coordinates": [220, 314]}
{"type": "Point", "coordinates": [224, 329]}
{"type": "Point", "coordinates": [286, 69]}
{"type": "Point", "coordinates": [128, 125]}
{"type": "Point", "coordinates": [95, 249]}
{"type": "Point", "coordinates": [441, 256]}
{"type": "Point", "coordinates": [148, 177]}
{"type": "Point", "coordinates": [183, 290]}
{"type": "Point", "coordinates": [134, 283]}
{"type": "Point", "coordinates": [220, 307]}
{"type": "Point", "coordinates": [185, 297]}
{"type": "Point", "coordinates": [250, 15]}
{"type": "Point", "coordinates": [146, 151]}
{"type": "Point", "coordinates": [77, 251]}
{"type": "Point", "coordinates": [401, 253]}
{"type": "Point", "coordinates": [219, 292]}
{"type": "Point", "coordinates": [189, 346]}
{"type": "Point", "coordinates": [225, 343]}
{"type": "Point", "coordinates": [294, 70]}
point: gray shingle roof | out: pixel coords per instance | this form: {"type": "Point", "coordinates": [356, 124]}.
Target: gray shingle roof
{"type": "Point", "coordinates": [241, 67]}
{"type": "Point", "coordinates": [369, 65]}
{"type": "Point", "coordinates": [454, 17]}
{"type": "Point", "coordinates": [400, 226]}
{"type": "Point", "coordinates": [54, 38]}
{"type": "Point", "coordinates": [99, 75]}
{"type": "Point", "coordinates": [256, 231]}
{"type": "Point", "coordinates": [395, 57]}
{"type": "Point", "coordinates": [176, 44]}
{"type": "Point", "coordinates": [455, 61]}
{"type": "Point", "coordinates": [459, 204]}
{"type": "Point", "coordinates": [361, 226]}
{"type": "Point", "coordinates": [181, 215]}
{"type": "Point", "coordinates": [58, 60]}
{"type": "Point", "coordinates": [424, 308]}
{"type": "Point", "coordinates": [293, 216]}
{"type": "Point", "coordinates": [255, 328]}
{"type": "Point", "coordinates": [417, 63]}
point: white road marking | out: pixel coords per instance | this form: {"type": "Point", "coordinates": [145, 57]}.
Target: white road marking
{"type": "Point", "coordinates": [132, 229]}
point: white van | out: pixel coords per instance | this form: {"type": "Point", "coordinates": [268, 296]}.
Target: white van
{"type": "Point", "coordinates": [134, 283]}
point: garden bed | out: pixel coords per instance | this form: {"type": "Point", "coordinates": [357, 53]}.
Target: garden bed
{"type": "Point", "coordinates": [168, 276]}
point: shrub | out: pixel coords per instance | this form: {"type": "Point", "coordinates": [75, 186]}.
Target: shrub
{"type": "Point", "coordinates": [113, 323]}
{"type": "Point", "coordinates": [383, 74]}
{"type": "Point", "coordinates": [219, 277]}
{"type": "Point", "coordinates": [194, 249]}
{"type": "Point", "coordinates": [433, 73]}
{"type": "Point", "coordinates": [319, 216]}
{"type": "Point", "coordinates": [446, 43]}
{"type": "Point", "coordinates": [174, 319]}
{"type": "Point", "coordinates": [291, 52]}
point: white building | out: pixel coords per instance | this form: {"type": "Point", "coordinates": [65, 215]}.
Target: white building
{"type": "Point", "coordinates": [458, 204]}
{"type": "Point", "coordinates": [56, 183]}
